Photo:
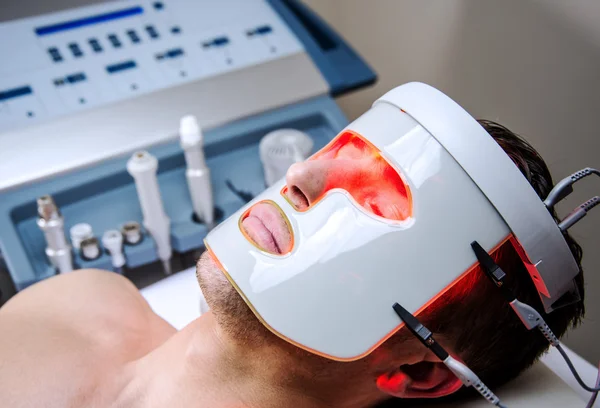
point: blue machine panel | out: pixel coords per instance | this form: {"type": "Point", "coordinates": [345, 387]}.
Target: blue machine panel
{"type": "Point", "coordinates": [105, 197]}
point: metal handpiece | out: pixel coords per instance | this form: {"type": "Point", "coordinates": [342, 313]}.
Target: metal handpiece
{"type": "Point", "coordinates": [52, 224]}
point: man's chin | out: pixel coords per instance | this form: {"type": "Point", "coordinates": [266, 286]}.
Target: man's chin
{"type": "Point", "coordinates": [205, 264]}
{"type": "Point", "coordinates": [231, 312]}
{"type": "Point", "coordinates": [213, 283]}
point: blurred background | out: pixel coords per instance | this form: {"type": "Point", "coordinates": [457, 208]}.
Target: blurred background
{"type": "Point", "coordinates": [531, 65]}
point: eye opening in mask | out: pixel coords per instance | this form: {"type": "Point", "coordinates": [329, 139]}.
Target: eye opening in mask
{"type": "Point", "coordinates": [390, 180]}
{"type": "Point", "coordinates": [274, 228]}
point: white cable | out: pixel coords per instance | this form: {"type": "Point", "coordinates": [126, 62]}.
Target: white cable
{"type": "Point", "coordinates": [197, 172]}
{"type": "Point", "coordinates": [142, 167]}
{"type": "Point", "coordinates": [470, 379]}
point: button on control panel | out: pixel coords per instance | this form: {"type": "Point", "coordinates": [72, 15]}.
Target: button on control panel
{"type": "Point", "coordinates": [96, 55]}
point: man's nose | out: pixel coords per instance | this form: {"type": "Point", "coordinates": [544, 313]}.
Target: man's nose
{"type": "Point", "coordinates": [306, 182]}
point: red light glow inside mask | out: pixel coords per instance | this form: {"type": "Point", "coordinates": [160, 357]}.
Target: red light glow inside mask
{"type": "Point", "coordinates": [352, 164]}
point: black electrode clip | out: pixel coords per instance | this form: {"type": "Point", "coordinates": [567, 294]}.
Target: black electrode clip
{"type": "Point", "coordinates": [530, 317]}
{"type": "Point", "coordinates": [420, 332]}
{"type": "Point", "coordinates": [462, 372]}
{"type": "Point", "coordinates": [492, 270]}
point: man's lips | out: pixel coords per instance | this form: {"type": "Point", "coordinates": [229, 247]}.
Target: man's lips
{"type": "Point", "coordinates": [266, 226]}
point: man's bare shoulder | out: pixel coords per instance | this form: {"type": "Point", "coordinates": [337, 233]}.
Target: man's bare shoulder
{"type": "Point", "coordinates": [85, 298]}
{"type": "Point", "coordinates": [73, 329]}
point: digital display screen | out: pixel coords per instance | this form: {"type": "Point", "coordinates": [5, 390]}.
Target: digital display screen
{"type": "Point", "coordinates": [88, 21]}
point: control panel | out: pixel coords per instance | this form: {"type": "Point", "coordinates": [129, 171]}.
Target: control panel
{"type": "Point", "coordinates": [73, 60]}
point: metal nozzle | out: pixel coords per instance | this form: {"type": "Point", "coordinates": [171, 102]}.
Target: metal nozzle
{"type": "Point", "coordinates": [132, 232]}
{"type": "Point", "coordinates": [90, 249]}
{"type": "Point", "coordinates": [47, 208]}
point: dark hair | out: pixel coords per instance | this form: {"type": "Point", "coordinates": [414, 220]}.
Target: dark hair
{"type": "Point", "coordinates": [474, 315]}
{"type": "Point", "coordinates": [496, 345]}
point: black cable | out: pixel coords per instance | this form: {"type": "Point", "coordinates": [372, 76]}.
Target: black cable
{"type": "Point", "coordinates": [528, 315]}
{"type": "Point", "coordinates": [245, 196]}
{"type": "Point", "coordinates": [574, 371]}
{"type": "Point", "coordinates": [565, 187]}
{"type": "Point", "coordinates": [595, 394]}
{"type": "Point", "coordinates": [578, 213]}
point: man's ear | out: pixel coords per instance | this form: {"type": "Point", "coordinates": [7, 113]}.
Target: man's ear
{"type": "Point", "coordinates": [421, 380]}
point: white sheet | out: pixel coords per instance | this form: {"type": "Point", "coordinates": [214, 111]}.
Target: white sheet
{"type": "Point", "coordinates": [176, 298]}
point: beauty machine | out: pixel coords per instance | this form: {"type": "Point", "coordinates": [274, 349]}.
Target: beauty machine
{"type": "Point", "coordinates": [353, 273]}
{"type": "Point", "coordinates": [143, 120]}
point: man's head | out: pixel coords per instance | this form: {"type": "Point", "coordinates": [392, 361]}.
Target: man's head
{"type": "Point", "coordinates": [471, 319]}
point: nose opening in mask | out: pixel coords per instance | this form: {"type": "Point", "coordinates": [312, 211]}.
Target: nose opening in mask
{"type": "Point", "coordinates": [359, 168]}
{"type": "Point", "coordinates": [267, 227]}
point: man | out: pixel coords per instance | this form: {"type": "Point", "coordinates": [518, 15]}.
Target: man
{"type": "Point", "coordinates": [89, 339]}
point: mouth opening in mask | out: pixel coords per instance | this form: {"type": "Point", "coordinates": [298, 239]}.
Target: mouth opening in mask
{"type": "Point", "coordinates": [266, 227]}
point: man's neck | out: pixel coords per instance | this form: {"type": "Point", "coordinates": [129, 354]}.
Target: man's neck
{"type": "Point", "coordinates": [201, 366]}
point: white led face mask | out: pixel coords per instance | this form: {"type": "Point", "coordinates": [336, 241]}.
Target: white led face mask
{"type": "Point", "coordinates": [332, 292]}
